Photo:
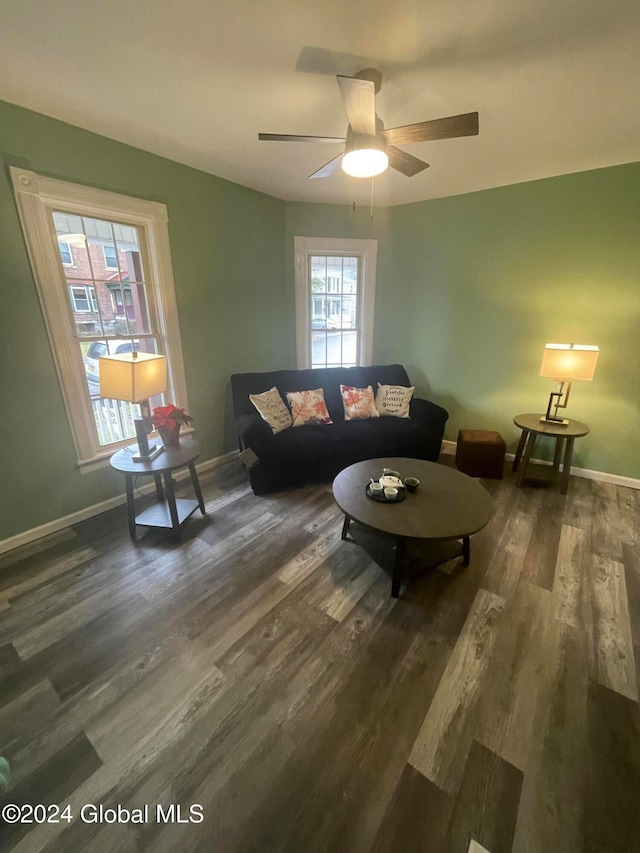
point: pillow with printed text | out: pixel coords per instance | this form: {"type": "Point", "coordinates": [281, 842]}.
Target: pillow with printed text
{"type": "Point", "coordinates": [272, 409]}
{"type": "Point", "coordinates": [394, 400]}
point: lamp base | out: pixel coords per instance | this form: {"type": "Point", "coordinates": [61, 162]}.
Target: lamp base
{"type": "Point", "coordinates": [556, 421]}
{"type": "Point", "coordinates": [136, 456]}
{"type": "Point", "coordinates": [154, 450]}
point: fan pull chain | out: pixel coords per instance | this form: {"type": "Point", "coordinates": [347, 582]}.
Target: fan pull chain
{"type": "Point", "coordinates": [372, 199]}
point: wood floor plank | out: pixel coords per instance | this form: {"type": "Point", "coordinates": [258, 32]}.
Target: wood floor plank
{"type": "Point", "coordinates": [552, 798]}
{"type": "Point", "coordinates": [486, 806]}
{"type": "Point", "coordinates": [524, 648]}
{"type": "Point", "coordinates": [417, 818]}
{"type": "Point", "coordinates": [503, 573]}
{"type": "Point", "coordinates": [445, 737]}
{"type": "Point", "coordinates": [542, 551]}
{"type": "Point", "coordinates": [12, 589]}
{"type": "Point", "coordinates": [614, 657]}
{"type": "Point", "coordinates": [306, 561]}
{"type": "Point", "coordinates": [569, 574]}
{"type": "Point", "coordinates": [33, 709]}
{"type": "Point", "coordinates": [611, 814]}
{"type": "Point", "coordinates": [350, 591]}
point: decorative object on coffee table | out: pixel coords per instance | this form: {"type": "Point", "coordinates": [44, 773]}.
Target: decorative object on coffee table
{"type": "Point", "coordinates": [481, 453]}
{"type": "Point", "coordinates": [533, 425]}
{"type": "Point", "coordinates": [168, 420]}
{"type": "Point", "coordinates": [435, 523]}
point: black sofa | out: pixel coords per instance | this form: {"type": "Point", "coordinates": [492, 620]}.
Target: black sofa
{"type": "Point", "coordinates": [310, 454]}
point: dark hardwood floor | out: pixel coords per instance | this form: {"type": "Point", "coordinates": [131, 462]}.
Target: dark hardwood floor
{"type": "Point", "coordinates": [261, 670]}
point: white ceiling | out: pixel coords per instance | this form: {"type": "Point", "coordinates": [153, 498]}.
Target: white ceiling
{"type": "Point", "coordinates": [555, 82]}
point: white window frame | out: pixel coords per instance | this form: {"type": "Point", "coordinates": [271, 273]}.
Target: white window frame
{"type": "Point", "coordinates": [37, 198]}
{"type": "Point", "coordinates": [68, 245]}
{"type": "Point", "coordinates": [90, 297]}
{"type": "Point", "coordinates": [104, 255]}
{"type": "Point", "coordinates": [367, 253]}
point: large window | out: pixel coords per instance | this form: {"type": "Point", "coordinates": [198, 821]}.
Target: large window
{"type": "Point", "coordinates": [118, 297]}
{"type": "Point", "coordinates": [335, 281]}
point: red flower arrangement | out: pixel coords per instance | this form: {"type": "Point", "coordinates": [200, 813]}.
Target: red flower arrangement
{"type": "Point", "coordinates": [168, 420]}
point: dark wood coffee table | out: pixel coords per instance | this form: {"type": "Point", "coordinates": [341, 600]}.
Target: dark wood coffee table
{"type": "Point", "coordinates": [439, 518]}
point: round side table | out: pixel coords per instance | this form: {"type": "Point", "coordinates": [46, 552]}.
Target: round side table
{"type": "Point", "coordinates": [532, 426]}
{"type": "Point", "coordinates": [169, 511]}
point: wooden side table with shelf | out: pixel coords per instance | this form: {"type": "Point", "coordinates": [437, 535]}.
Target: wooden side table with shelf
{"type": "Point", "coordinates": [532, 426]}
{"type": "Point", "coordinates": [169, 512]}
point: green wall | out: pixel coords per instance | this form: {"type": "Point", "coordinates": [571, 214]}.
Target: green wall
{"type": "Point", "coordinates": [228, 248]}
{"type": "Point", "coordinates": [471, 287]}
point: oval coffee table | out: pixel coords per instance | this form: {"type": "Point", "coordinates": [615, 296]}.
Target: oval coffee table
{"type": "Point", "coordinates": [448, 507]}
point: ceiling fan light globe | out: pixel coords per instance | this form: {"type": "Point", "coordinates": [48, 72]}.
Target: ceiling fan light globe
{"type": "Point", "coordinates": [365, 162]}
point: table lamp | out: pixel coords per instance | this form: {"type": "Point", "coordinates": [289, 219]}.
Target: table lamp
{"type": "Point", "coordinates": [565, 363]}
{"type": "Point", "coordinates": [134, 377]}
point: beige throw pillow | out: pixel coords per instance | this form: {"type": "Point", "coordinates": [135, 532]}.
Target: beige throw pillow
{"type": "Point", "coordinates": [394, 400]}
{"type": "Point", "coordinates": [308, 408]}
{"type": "Point", "coordinates": [272, 409]}
{"type": "Point", "coordinates": [358, 403]}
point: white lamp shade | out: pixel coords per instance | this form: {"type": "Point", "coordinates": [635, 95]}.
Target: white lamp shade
{"type": "Point", "coordinates": [123, 377]}
{"type": "Point", "coordinates": [569, 361]}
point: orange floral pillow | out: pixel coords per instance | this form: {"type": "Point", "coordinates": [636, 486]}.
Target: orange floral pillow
{"type": "Point", "coordinates": [308, 408]}
{"type": "Point", "coordinates": [358, 403]}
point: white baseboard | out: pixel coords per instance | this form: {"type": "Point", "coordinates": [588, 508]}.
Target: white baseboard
{"type": "Point", "coordinates": [88, 512]}
{"type": "Point", "coordinates": [449, 447]}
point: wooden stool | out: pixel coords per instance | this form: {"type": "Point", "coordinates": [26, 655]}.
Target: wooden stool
{"type": "Point", "coordinates": [480, 453]}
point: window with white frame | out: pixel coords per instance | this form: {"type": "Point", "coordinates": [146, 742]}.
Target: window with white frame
{"type": "Point", "coordinates": [83, 299]}
{"type": "Point", "coordinates": [119, 297]}
{"type": "Point", "coordinates": [335, 293]}
{"type": "Point", "coordinates": [66, 254]}
{"type": "Point", "coordinates": [110, 257]}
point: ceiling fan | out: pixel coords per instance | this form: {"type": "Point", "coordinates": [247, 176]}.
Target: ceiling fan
{"type": "Point", "coordinates": [369, 148]}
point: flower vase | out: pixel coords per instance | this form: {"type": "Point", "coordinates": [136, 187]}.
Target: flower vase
{"type": "Point", "coordinates": [170, 437]}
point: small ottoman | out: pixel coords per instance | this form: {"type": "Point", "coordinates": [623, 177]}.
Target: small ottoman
{"type": "Point", "coordinates": [480, 453]}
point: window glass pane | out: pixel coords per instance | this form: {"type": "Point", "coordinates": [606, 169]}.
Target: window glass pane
{"type": "Point", "coordinates": [350, 348]}
{"type": "Point", "coordinates": [318, 275]}
{"type": "Point", "coordinates": [349, 314]}
{"type": "Point", "coordinates": [318, 349]}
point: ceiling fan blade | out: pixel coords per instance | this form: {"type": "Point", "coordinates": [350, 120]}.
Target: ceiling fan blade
{"type": "Point", "coordinates": [287, 137]}
{"type": "Point", "coordinates": [405, 163]}
{"type": "Point", "coordinates": [329, 168]}
{"type": "Point", "coordinates": [440, 128]}
{"type": "Point", "coordinates": [359, 98]}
